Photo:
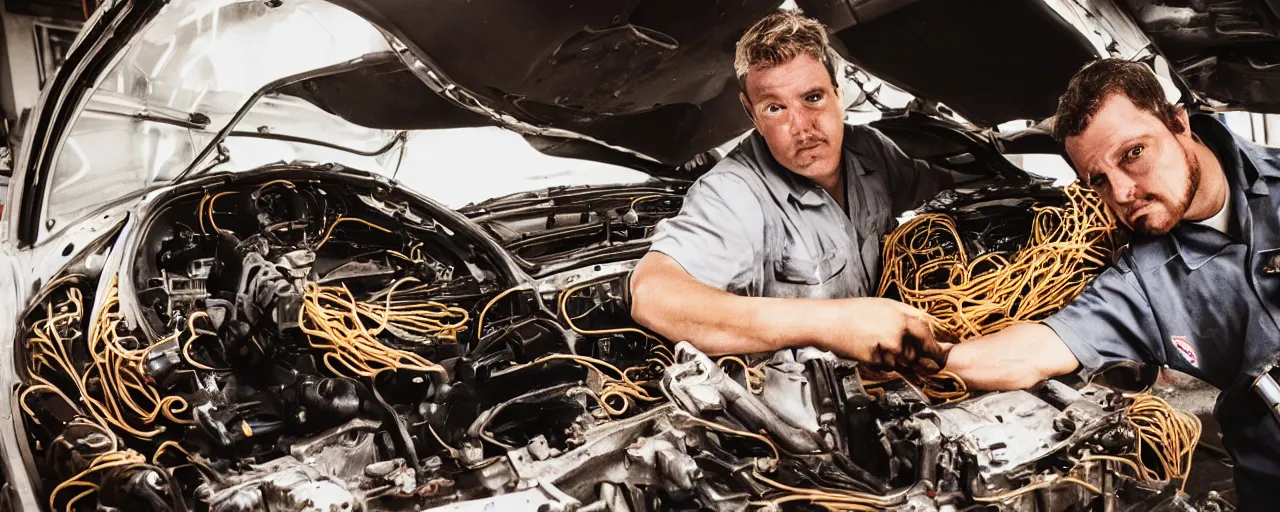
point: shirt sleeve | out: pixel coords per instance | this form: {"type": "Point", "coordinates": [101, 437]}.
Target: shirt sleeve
{"type": "Point", "coordinates": [911, 181]}
{"type": "Point", "coordinates": [718, 236]}
{"type": "Point", "coordinates": [1110, 322]}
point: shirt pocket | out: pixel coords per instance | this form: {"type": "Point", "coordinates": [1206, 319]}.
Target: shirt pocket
{"type": "Point", "coordinates": [797, 270]}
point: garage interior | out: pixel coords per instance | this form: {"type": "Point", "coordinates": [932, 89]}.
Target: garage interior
{"type": "Point", "coordinates": [37, 34]}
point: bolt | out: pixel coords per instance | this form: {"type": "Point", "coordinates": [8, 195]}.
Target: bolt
{"type": "Point", "coordinates": [538, 448]}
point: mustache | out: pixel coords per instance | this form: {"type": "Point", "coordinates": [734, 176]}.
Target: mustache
{"type": "Point", "coordinates": [810, 142]}
{"type": "Point", "coordinates": [1138, 204]}
{"type": "Point", "coordinates": [1142, 201]}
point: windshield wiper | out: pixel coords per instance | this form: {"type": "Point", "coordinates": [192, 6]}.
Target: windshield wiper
{"type": "Point", "coordinates": [194, 121]}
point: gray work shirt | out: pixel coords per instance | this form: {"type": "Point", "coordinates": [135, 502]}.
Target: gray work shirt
{"type": "Point", "coordinates": [751, 227]}
{"type": "Point", "coordinates": [1204, 303]}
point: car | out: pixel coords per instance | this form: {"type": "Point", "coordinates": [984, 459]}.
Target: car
{"type": "Point", "coordinates": [227, 291]}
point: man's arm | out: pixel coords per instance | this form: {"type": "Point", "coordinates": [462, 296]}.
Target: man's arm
{"type": "Point", "coordinates": [681, 289]}
{"type": "Point", "coordinates": [1110, 321]}
{"type": "Point", "coordinates": [674, 304]}
{"type": "Point", "coordinates": [1015, 358]}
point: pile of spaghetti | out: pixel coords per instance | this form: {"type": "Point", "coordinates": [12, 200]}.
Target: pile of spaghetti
{"type": "Point", "coordinates": [927, 266]}
{"type": "Point", "coordinates": [1169, 435]}
{"type": "Point", "coordinates": [113, 387]}
{"type": "Point", "coordinates": [340, 326]}
{"type": "Point", "coordinates": [111, 391]}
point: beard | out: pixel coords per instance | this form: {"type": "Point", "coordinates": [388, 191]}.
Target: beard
{"type": "Point", "coordinates": [1178, 209]}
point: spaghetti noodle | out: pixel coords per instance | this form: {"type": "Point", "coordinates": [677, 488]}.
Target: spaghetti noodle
{"type": "Point", "coordinates": [973, 296]}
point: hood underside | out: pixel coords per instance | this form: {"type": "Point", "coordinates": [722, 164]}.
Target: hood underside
{"type": "Point", "coordinates": [1228, 52]}
{"type": "Point", "coordinates": [657, 78]}
{"type": "Point", "coordinates": [653, 77]}
{"type": "Point", "coordinates": [589, 78]}
{"type": "Point", "coordinates": [990, 60]}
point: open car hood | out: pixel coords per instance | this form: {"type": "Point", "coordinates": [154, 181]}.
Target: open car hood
{"type": "Point", "coordinates": [989, 60]}
{"type": "Point", "coordinates": [641, 83]}
{"type": "Point", "coordinates": [653, 77]}
{"type": "Point", "coordinates": [656, 78]}
{"type": "Point", "coordinates": [1228, 53]}
{"type": "Point", "coordinates": [999, 60]}
{"type": "Point", "coordinates": [229, 85]}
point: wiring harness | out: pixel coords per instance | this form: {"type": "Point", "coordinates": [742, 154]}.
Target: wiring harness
{"type": "Point", "coordinates": [298, 323]}
{"type": "Point", "coordinates": [336, 324]}
{"type": "Point", "coordinates": [927, 265]}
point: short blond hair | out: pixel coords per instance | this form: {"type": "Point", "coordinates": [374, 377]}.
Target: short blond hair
{"type": "Point", "coordinates": [778, 38]}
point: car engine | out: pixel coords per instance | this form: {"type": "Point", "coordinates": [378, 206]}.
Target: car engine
{"type": "Point", "coordinates": [291, 340]}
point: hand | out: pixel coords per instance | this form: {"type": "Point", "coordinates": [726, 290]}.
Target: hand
{"type": "Point", "coordinates": [887, 334]}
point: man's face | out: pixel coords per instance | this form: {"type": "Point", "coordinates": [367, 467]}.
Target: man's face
{"type": "Point", "coordinates": [796, 108]}
{"type": "Point", "coordinates": [1146, 174]}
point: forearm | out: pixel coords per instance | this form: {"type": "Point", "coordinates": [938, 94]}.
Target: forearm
{"type": "Point", "coordinates": [730, 324]}
{"type": "Point", "coordinates": [1015, 358]}
{"type": "Point", "coordinates": [671, 303]}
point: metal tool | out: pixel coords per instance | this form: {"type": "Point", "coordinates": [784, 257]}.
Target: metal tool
{"type": "Point", "coordinates": [1267, 388]}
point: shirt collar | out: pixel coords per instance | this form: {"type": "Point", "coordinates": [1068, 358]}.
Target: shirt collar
{"type": "Point", "coordinates": [856, 148]}
{"type": "Point", "coordinates": [1240, 160]}
{"type": "Point", "coordinates": [1245, 163]}
{"type": "Point", "coordinates": [811, 198]}
{"type": "Point", "coordinates": [1257, 169]}
{"type": "Point", "coordinates": [1196, 244]}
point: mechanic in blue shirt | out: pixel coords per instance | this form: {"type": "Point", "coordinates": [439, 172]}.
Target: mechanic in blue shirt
{"type": "Point", "coordinates": [1197, 288]}
{"type": "Point", "coordinates": [778, 245]}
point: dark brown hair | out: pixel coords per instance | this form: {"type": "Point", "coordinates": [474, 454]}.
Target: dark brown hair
{"type": "Point", "coordinates": [778, 38]}
{"type": "Point", "coordinates": [1097, 81]}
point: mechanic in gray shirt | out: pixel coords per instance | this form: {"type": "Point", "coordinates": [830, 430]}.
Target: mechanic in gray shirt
{"type": "Point", "coordinates": [791, 218]}
{"type": "Point", "coordinates": [1198, 288]}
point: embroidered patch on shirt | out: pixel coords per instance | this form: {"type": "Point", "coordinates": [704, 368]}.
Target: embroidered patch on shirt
{"type": "Point", "coordinates": [1184, 347]}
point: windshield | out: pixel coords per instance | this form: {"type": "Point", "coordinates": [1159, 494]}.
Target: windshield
{"type": "Point", "coordinates": [183, 78]}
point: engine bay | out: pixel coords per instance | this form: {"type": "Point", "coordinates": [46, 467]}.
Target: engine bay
{"type": "Point", "coordinates": [289, 341]}
{"type": "Point", "coordinates": [569, 227]}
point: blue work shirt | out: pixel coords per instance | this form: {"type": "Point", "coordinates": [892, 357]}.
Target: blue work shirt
{"type": "Point", "coordinates": [1202, 302]}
